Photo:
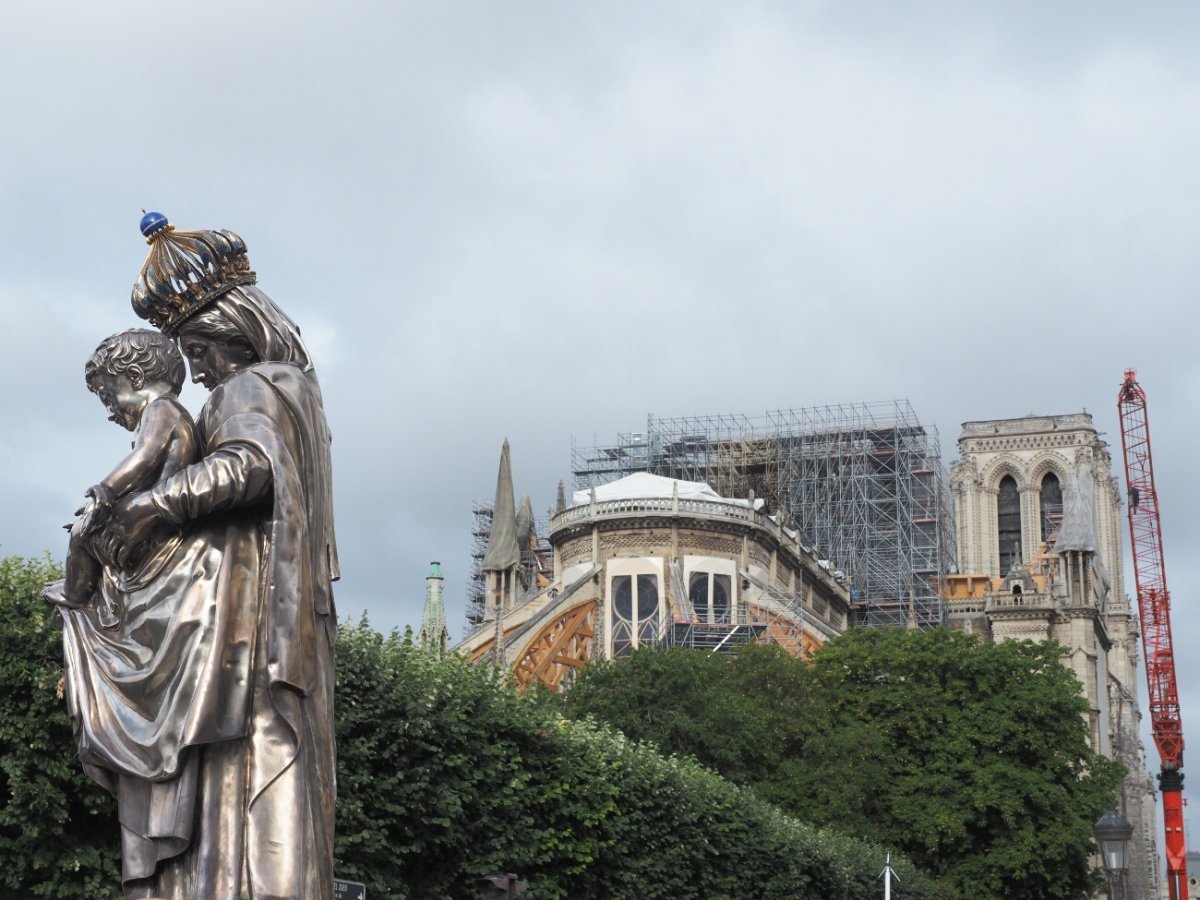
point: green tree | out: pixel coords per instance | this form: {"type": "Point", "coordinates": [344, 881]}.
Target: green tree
{"type": "Point", "coordinates": [748, 716]}
{"type": "Point", "coordinates": [58, 830]}
{"type": "Point", "coordinates": [971, 757]}
{"type": "Point", "coordinates": [742, 715]}
{"type": "Point", "coordinates": [445, 774]}
{"type": "Point", "coordinates": [976, 756]}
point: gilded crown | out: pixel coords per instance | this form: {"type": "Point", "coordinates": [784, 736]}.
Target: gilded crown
{"type": "Point", "coordinates": [186, 271]}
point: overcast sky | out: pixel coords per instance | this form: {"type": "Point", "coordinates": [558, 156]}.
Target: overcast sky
{"type": "Point", "coordinates": [545, 220]}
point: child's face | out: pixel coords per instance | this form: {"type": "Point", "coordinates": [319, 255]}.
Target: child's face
{"type": "Point", "coordinates": [123, 401]}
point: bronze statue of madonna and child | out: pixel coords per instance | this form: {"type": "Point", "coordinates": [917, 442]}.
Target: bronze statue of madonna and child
{"type": "Point", "coordinates": [198, 617]}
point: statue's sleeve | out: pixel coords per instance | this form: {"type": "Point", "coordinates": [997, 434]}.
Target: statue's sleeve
{"type": "Point", "coordinates": [233, 475]}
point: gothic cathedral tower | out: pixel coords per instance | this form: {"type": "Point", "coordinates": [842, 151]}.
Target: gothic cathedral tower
{"type": "Point", "coordinates": [1039, 557]}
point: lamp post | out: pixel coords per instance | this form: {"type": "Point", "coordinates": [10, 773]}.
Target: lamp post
{"type": "Point", "coordinates": [1113, 831]}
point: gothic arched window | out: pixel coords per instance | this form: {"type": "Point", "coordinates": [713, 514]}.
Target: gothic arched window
{"type": "Point", "coordinates": [635, 614]}
{"type": "Point", "coordinates": [1051, 503]}
{"type": "Point", "coordinates": [1008, 523]}
{"type": "Point", "coordinates": [709, 594]}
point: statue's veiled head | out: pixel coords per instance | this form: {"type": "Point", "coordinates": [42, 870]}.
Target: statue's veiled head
{"type": "Point", "coordinates": [214, 348]}
{"type": "Point", "coordinates": [198, 287]}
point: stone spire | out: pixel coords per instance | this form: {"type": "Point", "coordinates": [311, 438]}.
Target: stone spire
{"type": "Point", "coordinates": [503, 553]}
{"type": "Point", "coordinates": [525, 524]}
{"type": "Point", "coordinates": [433, 631]}
{"type": "Point", "coordinates": [502, 550]}
{"type": "Point", "coordinates": [561, 503]}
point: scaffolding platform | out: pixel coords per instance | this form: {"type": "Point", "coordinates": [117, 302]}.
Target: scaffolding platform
{"type": "Point", "coordinates": [862, 482]}
{"type": "Point", "coordinates": [718, 638]}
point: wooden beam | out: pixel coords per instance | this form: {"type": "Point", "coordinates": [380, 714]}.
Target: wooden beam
{"type": "Point", "coordinates": [571, 623]}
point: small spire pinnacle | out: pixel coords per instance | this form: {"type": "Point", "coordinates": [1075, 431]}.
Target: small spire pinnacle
{"type": "Point", "coordinates": [434, 633]}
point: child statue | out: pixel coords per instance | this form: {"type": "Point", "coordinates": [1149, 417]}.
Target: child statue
{"type": "Point", "coordinates": [137, 374]}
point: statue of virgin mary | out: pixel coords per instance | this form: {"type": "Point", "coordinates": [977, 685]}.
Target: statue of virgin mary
{"type": "Point", "coordinates": [207, 708]}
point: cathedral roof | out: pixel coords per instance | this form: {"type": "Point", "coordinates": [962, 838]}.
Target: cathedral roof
{"type": "Point", "coordinates": [643, 484]}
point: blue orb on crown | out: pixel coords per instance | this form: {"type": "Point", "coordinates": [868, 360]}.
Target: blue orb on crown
{"type": "Point", "coordinates": [152, 223]}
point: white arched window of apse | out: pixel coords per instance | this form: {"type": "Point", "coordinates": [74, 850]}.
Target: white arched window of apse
{"type": "Point", "coordinates": [635, 604]}
{"type": "Point", "coordinates": [712, 588]}
{"type": "Point", "coordinates": [711, 596]}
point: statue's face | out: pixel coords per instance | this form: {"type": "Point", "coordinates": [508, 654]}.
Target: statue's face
{"type": "Point", "coordinates": [211, 359]}
{"type": "Point", "coordinates": [123, 400]}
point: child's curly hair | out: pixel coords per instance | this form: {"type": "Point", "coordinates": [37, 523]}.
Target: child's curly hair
{"type": "Point", "coordinates": [138, 351]}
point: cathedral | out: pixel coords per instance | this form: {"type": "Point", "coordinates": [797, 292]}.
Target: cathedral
{"type": "Point", "coordinates": [645, 559]}
{"type": "Point", "coordinates": [1038, 512]}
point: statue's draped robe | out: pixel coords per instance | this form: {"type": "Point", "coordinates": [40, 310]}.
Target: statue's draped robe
{"type": "Point", "coordinates": [208, 708]}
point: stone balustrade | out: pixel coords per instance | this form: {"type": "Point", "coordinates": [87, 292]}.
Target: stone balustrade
{"type": "Point", "coordinates": [1031, 600]}
{"type": "Point", "coordinates": [623, 507]}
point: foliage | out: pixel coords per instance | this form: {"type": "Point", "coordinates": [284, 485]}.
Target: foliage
{"type": "Point", "coordinates": [447, 775]}
{"type": "Point", "coordinates": [744, 716]}
{"type": "Point", "coordinates": [58, 830]}
{"type": "Point", "coordinates": [983, 749]}
{"type": "Point", "coordinates": [971, 757]}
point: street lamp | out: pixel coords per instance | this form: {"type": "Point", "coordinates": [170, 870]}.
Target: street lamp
{"type": "Point", "coordinates": [1113, 831]}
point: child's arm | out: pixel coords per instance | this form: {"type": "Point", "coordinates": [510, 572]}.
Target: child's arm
{"type": "Point", "coordinates": [150, 446]}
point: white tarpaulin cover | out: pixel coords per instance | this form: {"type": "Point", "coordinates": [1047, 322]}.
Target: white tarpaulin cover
{"type": "Point", "coordinates": [644, 485]}
{"type": "Point", "coordinates": [1077, 532]}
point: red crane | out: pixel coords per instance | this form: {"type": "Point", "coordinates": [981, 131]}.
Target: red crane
{"type": "Point", "coordinates": [1154, 608]}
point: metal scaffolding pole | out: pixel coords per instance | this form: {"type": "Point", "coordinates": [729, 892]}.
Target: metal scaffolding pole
{"type": "Point", "coordinates": [863, 482]}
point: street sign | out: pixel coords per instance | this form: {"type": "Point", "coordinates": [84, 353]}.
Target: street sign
{"type": "Point", "coordinates": [349, 890]}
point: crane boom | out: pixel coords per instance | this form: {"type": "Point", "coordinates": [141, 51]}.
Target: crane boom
{"type": "Point", "coordinates": [1154, 610]}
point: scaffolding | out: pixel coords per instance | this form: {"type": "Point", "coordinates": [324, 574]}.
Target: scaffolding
{"type": "Point", "coordinates": [863, 483]}
{"type": "Point", "coordinates": [481, 533]}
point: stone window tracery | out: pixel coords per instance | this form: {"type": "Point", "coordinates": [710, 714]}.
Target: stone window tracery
{"type": "Point", "coordinates": [710, 594]}
{"type": "Point", "coordinates": [635, 612]}
{"type": "Point", "coordinates": [1008, 523]}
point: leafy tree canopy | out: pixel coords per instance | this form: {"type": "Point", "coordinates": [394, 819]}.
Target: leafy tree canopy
{"type": "Point", "coordinates": [972, 757]}
{"type": "Point", "coordinates": [58, 830]}
{"type": "Point", "coordinates": [444, 775]}
{"type": "Point", "coordinates": [447, 774]}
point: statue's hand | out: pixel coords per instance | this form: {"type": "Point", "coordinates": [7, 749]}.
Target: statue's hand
{"type": "Point", "coordinates": [133, 520]}
{"type": "Point", "coordinates": [98, 496]}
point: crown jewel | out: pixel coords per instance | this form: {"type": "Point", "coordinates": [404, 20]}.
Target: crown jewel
{"type": "Point", "coordinates": [185, 271]}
